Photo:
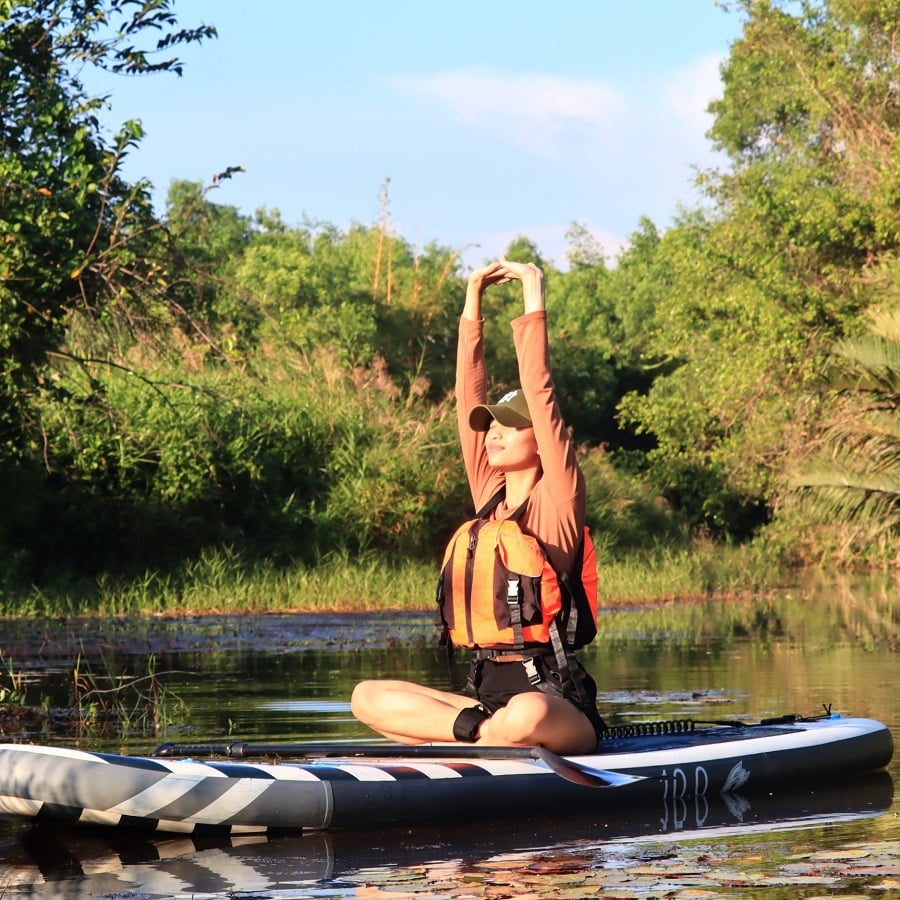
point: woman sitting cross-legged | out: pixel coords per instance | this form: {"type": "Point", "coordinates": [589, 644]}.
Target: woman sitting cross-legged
{"type": "Point", "coordinates": [505, 572]}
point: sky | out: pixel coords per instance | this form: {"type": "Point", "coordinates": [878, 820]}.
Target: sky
{"type": "Point", "coordinates": [486, 119]}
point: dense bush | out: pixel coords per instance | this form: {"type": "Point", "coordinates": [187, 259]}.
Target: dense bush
{"type": "Point", "coordinates": [170, 386]}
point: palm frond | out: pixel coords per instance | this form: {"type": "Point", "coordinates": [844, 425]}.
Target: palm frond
{"type": "Point", "coordinates": [874, 439]}
{"type": "Point", "coordinates": [854, 478]}
{"type": "Point", "coordinates": [847, 497]}
{"type": "Point", "coordinates": [867, 363]}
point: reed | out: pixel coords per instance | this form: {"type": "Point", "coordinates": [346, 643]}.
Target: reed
{"type": "Point", "coordinates": [108, 700]}
{"type": "Point", "coordinates": [12, 685]}
{"type": "Point", "coordinates": [687, 573]}
{"type": "Point", "coordinates": [222, 581]}
{"type": "Point", "coordinates": [103, 699]}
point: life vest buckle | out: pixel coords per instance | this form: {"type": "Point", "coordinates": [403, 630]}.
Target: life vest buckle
{"type": "Point", "coordinates": [531, 670]}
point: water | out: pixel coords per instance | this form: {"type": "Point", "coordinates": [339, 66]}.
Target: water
{"type": "Point", "coordinates": [288, 678]}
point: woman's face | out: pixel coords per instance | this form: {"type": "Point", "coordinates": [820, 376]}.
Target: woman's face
{"type": "Point", "coordinates": [511, 448]}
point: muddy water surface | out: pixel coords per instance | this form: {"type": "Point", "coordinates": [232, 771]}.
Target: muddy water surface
{"type": "Point", "coordinates": [285, 677]}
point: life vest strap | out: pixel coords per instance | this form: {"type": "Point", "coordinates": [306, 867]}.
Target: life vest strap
{"type": "Point", "coordinates": [562, 663]}
{"type": "Point", "coordinates": [481, 653]}
{"type": "Point", "coordinates": [514, 603]}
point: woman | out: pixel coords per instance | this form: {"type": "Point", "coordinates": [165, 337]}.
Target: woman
{"type": "Point", "coordinates": [517, 454]}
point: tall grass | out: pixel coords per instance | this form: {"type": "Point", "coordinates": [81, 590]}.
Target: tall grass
{"type": "Point", "coordinates": [223, 582]}
{"type": "Point", "coordinates": [288, 458]}
{"type": "Point", "coordinates": [301, 484]}
{"type": "Point", "coordinates": [699, 570]}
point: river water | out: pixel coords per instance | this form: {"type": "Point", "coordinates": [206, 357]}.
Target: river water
{"type": "Point", "coordinates": [289, 677]}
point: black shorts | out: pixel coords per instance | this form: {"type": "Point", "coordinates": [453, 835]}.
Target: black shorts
{"type": "Point", "coordinates": [494, 684]}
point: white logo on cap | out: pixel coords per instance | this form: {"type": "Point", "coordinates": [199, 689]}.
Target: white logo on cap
{"type": "Point", "coordinates": [507, 397]}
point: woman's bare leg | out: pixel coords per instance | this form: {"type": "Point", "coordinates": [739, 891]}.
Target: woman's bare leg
{"type": "Point", "coordinates": [414, 714]}
{"type": "Point", "coordinates": [535, 719]}
{"type": "Point", "coordinates": [407, 712]}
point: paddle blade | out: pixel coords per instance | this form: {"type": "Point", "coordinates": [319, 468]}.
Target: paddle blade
{"type": "Point", "coordinates": [579, 773]}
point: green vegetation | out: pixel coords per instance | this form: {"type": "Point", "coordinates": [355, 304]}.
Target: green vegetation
{"type": "Point", "coordinates": [852, 478]}
{"type": "Point", "coordinates": [98, 700]}
{"type": "Point", "coordinates": [202, 409]}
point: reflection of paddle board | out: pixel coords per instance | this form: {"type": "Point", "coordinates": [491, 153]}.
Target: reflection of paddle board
{"type": "Point", "coordinates": [81, 863]}
{"type": "Point", "coordinates": [183, 795]}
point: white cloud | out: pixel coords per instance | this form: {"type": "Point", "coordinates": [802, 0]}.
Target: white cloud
{"type": "Point", "coordinates": [688, 91]}
{"type": "Point", "coordinates": [587, 150]}
{"type": "Point", "coordinates": [573, 119]}
{"type": "Point", "coordinates": [535, 107]}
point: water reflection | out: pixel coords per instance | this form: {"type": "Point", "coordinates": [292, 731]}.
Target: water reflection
{"type": "Point", "coordinates": [76, 863]}
{"type": "Point", "coordinates": [289, 678]}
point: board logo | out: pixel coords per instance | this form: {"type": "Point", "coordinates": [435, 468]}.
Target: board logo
{"type": "Point", "coordinates": [736, 779]}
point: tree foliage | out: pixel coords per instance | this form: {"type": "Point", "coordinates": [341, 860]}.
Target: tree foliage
{"type": "Point", "coordinates": [76, 236]}
{"type": "Point", "coordinates": [757, 289]}
{"type": "Point", "coordinates": [208, 378]}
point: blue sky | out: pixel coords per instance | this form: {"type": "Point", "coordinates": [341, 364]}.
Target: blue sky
{"type": "Point", "coordinates": [491, 119]}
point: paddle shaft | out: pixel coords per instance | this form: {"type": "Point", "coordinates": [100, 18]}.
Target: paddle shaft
{"type": "Point", "coordinates": [323, 750]}
{"type": "Point", "coordinates": [577, 773]}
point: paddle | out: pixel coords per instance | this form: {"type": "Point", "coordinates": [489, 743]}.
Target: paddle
{"type": "Point", "coordinates": [577, 773]}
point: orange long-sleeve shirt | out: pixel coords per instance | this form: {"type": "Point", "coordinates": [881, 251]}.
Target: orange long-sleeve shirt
{"type": "Point", "coordinates": [556, 509]}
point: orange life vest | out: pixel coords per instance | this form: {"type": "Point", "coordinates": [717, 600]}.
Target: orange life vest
{"type": "Point", "coordinates": [498, 589]}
